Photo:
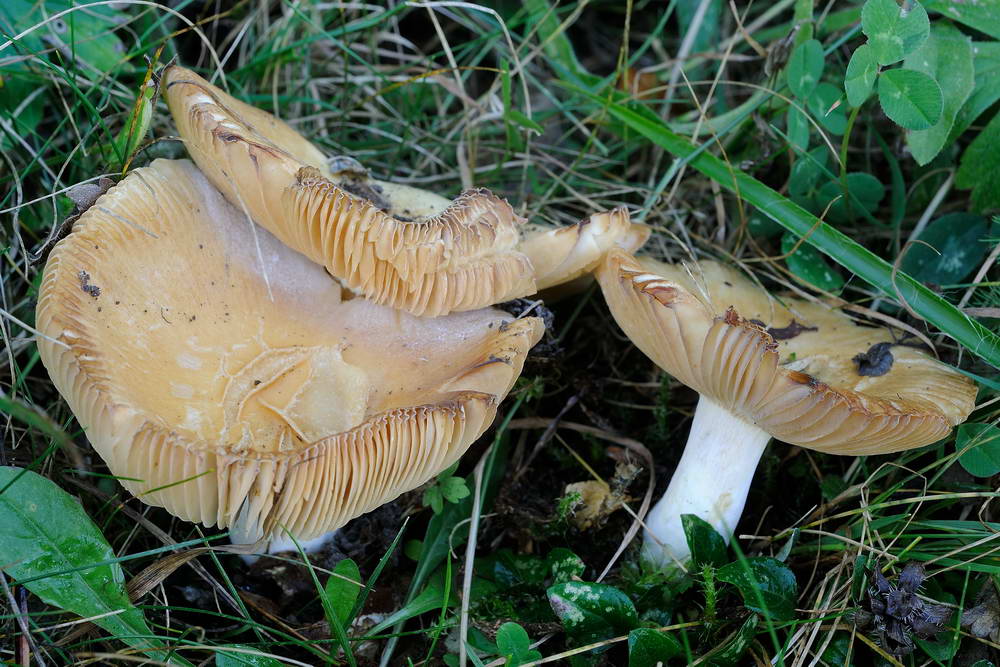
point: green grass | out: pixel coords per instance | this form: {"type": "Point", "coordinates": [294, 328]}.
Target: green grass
{"type": "Point", "coordinates": [522, 98]}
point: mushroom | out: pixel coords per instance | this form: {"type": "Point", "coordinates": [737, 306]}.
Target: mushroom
{"type": "Point", "coordinates": [220, 375]}
{"type": "Point", "coordinates": [801, 372]}
{"type": "Point", "coordinates": [397, 245]}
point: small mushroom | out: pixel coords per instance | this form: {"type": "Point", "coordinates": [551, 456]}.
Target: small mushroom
{"type": "Point", "coordinates": [220, 376]}
{"type": "Point", "coordinates": [803, 383]}
{"type": "Point", "coordinates": [397, 245]}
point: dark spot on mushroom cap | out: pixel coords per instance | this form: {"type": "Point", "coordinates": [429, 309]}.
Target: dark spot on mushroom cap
{"type": "Point", "coordinates": [877, 361]}
{"type": "Point", "coordinates": [791, 331]}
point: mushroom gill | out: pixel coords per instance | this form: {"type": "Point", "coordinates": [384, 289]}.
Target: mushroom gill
{"type": "Point", "coordinates": [220, 376]}
{"type": "Point", "coordinates": [397, 245]}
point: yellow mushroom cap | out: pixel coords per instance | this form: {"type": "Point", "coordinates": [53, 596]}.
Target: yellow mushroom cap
{"type": "Point", "coordinates": [220, 376]}
{"type": "Point", "coordinates": [441, 259]}
{"type": "Point", "coordinates": [792, 368]}
{"type": "Point", "coordinates": [563, 254]}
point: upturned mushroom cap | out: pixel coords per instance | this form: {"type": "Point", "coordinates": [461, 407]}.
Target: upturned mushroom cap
{"type": "Point", "coordinates": [433, 261]}
{"type": "Point", "coordinates": [804, 372]}
{"type": "Point", "coordinates": [397, 245]}
{"type": "Point", "coordinates": [220, 376]}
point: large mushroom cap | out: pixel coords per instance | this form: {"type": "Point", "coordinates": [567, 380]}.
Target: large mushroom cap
{"type": "Point", "coordinates": [398, 246]}
{"type": "Point", "coordinates": [220, 376]}
{"type": "Point", "coordinates": [803, 372]}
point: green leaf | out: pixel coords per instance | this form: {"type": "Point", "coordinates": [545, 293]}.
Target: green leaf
{"type": "Point", "coordinates": [730, 653]}
{"type": "Point", "coordinates": [947, 58]}
{"type": "Point", "coordinates": [894, 284]}
{"type": "Point", "coordinates": [979, 449]}
{"type": "Point", "coordinates": [957, 246]}
{"type": "Point", "coordinates": [825, 108]}
{"type": "Point", "coordinates": [564, 565]}
{"type": "Point", "coordinates": [552, 34]}
{"type": "Point", "coordinates": [706, 545]}
{"type": "Point", "coordinates": [910, 98]}
{"type": "Point", "coordinates": [864, 190]}
{"type": "Point", "coordinates": [807, 172]}
{"type": "Point", "coordinates": [981, 15]}
{"type": "Point", "coordinates": [807, 264]}
{"type": "Point", "coordinates": [798, 127]}
{"type": "Point", "coordinates": [894, 30]}
{"type": "Point", "coordinates": [767, 585]}
{"type": "Point", "coordinates": [342, 589]}
{"type": "Point", "coordinates": [136, 126]}
{"type": "Point", "coordinates": [518, 118]}
{"type": "Point", "coordinates": [50, 545]}
{"type": "Point", "coordinates": [979, 169]}
{"type": "Point", "coordinates": [514, 643]}
{"type": "Point", "coordinates": [861, 72]}
{"type": "Point", "coordinates": [592, 612]}
{"type": "Point", "coordinates": [648, 647]}
{"type": "Point", "coordinates": [454, 489]}
{"type": "Point", "coordinates": [985, 92]}
{"type": "Point", "coordinates": [805, 68]}
{"type": "Point", "coordinates": [430, 599]}
{"type": "Point", "coordinates": [859, 577]}
{"type": "Point", "coordinates": [236, 655]}
{"type": "Point", "coordinates": [434, 498]}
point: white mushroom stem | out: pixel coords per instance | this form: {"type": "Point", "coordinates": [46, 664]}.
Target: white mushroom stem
{"type": "Point", "coordinates": [711, 481]}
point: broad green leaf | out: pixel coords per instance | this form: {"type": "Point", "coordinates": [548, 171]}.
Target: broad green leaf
{"type": "Point", "coordinates": [236, 655]}
{"type": "Point", "coordinates": [946, 57]}
{"type": "Point", "coordinates": [826, 108]}
{"type": "Point", "coordinates": [809, 170]}
{"type": "Point", "coordinates": [861, 72]}
{"type": "Point", "coordinates": [730, 653]}
{"type": "Point", "coordinates": [864, 190]}
{"type": "Point", "coordinates": [798, 127]}
{"type": "Point", "coordinates": [85, 36]}
{"type": "Point", "coordinates": [956, 244]}
{"type": "Point", "coordinates": [342, 589]}
{"type": "Point", "coordinates": [979, 169]}
{"type": "Point", "coordinates": [514, 643]}
{"type": "Point", "coordinates": [979, 448]}
{"type": "Point", "coordinates": [894, 30]}
{"type": "Point", "coordinates": [564, 565]}
{"type": "Point", "coordinates": [805, 68]}
{"type": "Point", "coordinates": [986, 91]}
{"type": "Point", "coordinates": [807, 264]}
{"type": "Point", "coordinates": [50, 545]}
{"type": "Point", "coordinates": [981, 15]}
{"type": "Point", "coordinates": [706, 545]}
{"type": "Point", "coordinates": [767, 585]}
{"type": "Point", "coordinates": [592, 612]}
{"type": "Point", "coordinates": [648, 647]}
{"type": "Point", "coordinates": [911, 99]}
